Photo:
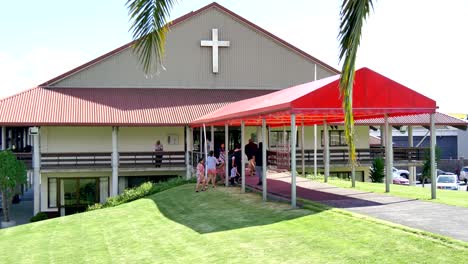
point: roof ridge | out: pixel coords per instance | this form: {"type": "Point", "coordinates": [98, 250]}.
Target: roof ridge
{"type": "Point", "coordinates": [181, 19]}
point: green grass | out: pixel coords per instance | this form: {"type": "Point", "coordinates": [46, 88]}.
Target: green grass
{"type": "Point", "coordinates": [219, 226]}
{"type": "Point", "coordinates": [457, 198]}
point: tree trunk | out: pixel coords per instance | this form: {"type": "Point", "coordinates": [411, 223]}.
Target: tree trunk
{"type": "Point", "coordinates": [5, 206]}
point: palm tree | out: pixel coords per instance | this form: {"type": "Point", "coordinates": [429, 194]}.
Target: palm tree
{"type": "Point", "coordinates": [353, 14]}
{"type": "Point", "coordinates": [149, 27]}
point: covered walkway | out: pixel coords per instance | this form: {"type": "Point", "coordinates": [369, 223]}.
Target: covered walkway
{"type": "Point", "coordinates": [436, 218]}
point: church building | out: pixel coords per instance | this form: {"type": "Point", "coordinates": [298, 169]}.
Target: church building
{"type": "Point", "coordinates": [91, 132]}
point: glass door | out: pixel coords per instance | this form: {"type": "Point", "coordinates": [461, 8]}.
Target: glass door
{"type": "Point", "coordinates": [77, 193]}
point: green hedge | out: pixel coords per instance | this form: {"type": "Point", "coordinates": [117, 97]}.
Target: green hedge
{"type": "Point", "coordinates": [39, 217]}
{"type": "Point", "coordinates": [147, 188]}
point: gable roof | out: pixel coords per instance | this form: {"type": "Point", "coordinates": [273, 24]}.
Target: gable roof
{"type": "Point", "coordinates": [373, 96]}
{"type": "Point", "coordinates": [181, 20]}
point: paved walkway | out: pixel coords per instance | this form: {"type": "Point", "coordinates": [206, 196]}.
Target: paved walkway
{"type": "Point", "coordinates": [437, 218]}
{"type": "Point", "coordinates": [22, 212]}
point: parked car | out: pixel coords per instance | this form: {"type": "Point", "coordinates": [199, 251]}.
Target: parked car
{"type": "Point", "coordinates": [402, 173]}
{"type": "Point", "coordinates": [397, 179]}
{"type": "Point", "coordinates": [428, 180]}
{"type": "Point", "coordinates": [447, 182]}
{"type": "Point", "coordinates": [464, 174]}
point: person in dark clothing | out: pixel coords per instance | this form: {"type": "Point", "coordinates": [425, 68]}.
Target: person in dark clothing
{"type": "Point", "coordinates": [250, 150]}
{"type": "Point", "coordinates": [259, 163]}
{"type": "Point", "coordinates": [237, 158]}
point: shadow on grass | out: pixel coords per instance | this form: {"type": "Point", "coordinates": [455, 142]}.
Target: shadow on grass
{"type": "Point", "coordinates": [222, 209]}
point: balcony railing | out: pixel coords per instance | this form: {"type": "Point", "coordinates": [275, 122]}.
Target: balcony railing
{"type": "Point", "coordinates": [176, 159]}
{"type": "Point", "coordinates": [163, 159]}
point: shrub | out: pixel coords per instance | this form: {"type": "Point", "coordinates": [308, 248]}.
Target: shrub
{"type": "Point", "coordinates": [145, 189]}
{"type": "Point", "coordinates": [39, 217]}
{"type": "Point", "coordinates": [377, 170]}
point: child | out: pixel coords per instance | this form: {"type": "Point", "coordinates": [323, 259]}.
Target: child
{"type": "Point", "coordinates": [200, 175]}
{"type": "Point", "coordinates": [235, 176]}
{"type": "Point", "coordinates": [211, 163]}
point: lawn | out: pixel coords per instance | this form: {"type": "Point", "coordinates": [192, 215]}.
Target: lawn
{"type": "Point", "coordinates": [219, 226]}
{"type": "Point", "coordinates": [449, 197]}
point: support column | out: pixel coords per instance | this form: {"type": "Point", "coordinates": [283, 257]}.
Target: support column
{"type": "Point", "coordinates": [201, 146]}
{"type": "Point", "coordinates": [36, 164]}
{"type": "Point", "coordinates": [206, 150]}
{"type": "Point", "coordinates": [265, 161]}
{"type": "Point", "coordinates": [433, 159]}
{"type": "Point", "coordinates": [411, 168]}
{"type": "Point", "coordinates": [315, 150]}
{"type": "Point", "coordinates": [293, 160]}
{"type": "Point", "coordinates": [212, 138]}
{"type": "Point", "coordinates": [4, 138]}
{"type": "Point", "coordinates": [115, 161]}
{"type": "Point", "coordinates": [187, 153]}
{"type": "Point", "coordinates": [302, 149]}
{"type": "Point", "coordinates": [226, 155]}
{"type": "Point", "coordinates": [326, 151]}
{"type": "Point", "coordinates": [243, 156]}
{"type": "Point", "coordinates": [388, 153]}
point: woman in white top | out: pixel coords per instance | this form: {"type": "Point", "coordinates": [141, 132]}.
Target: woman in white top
{"type": "Point", "coordinates": [211, 163]}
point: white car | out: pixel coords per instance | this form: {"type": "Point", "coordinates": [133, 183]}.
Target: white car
{"type": "Point", "coordinates": [401, 173]}
{"type": "Point", "coordinates": [464, 174]}
{"type": "Point", "coordinates": [447, 182]}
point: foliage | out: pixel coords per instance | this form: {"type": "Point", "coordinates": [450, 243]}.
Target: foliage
{"type": "Point", "coordinates": [353, 14]}
{"type": "Point", "coordinates": [12, 173]}
{"type": "Point", "coordinates": [426, 171]}
{"type": "Point", "coordinates": [39, 217]}
{"type": "Point", "coordinates": [145, 189]}
{"type": "Point", "coordinates": [377, 170]}
{"type": "Point", "coordinates": [149, 28]}
{"type": "Point", "coordinates": [175, 226]}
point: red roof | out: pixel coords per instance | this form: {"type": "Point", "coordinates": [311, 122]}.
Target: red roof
{"type": "Point", "coordinates": [373, 95]}
{"type": "Point", "coordinates": [115, 106]}
{"type": "Point", "coordinates": [414, 120]}
{"type": "Point", "coordinates": [182, 19]}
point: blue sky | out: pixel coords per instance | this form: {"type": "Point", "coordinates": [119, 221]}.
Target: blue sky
{"type": "Point", "coordinates": [421, 44]}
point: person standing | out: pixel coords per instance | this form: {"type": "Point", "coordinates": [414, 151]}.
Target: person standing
{"type": "Point", "coordinates": [201, 181]}
{"type": "Point", "coordinates": [250, 150]}
{"type": "Point", "coordinates": [158, 148]}
{"type": "Point", "coordinates": [222, 161]}
{"type": "Point", "coordinates": [259, 163]}
{"type": "Point", "coordinates": [211, 163]}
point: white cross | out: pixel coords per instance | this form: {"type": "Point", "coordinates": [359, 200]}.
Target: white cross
{"type": "Point", "coordinates": [215, 43]}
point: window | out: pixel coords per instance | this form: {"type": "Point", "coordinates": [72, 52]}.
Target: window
{"type": "Point", "coordinates": [52, 192]}
{"type": "Point", "coordinates": [278, 139]}
{"type": "Point", "coordinates": [335, 138]}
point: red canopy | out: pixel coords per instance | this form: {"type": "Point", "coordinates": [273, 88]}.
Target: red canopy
{"type": "Point", "coordinates": [373, 96]}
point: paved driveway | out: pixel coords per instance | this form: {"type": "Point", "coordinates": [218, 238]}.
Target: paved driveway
{"type": "Point", "coordinates": [437, 218]}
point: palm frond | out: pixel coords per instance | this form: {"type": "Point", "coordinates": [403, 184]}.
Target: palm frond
{"type": "Point", "coordinates": [149, 27]}
{"type": "Point", "coordinates": [353, 14]}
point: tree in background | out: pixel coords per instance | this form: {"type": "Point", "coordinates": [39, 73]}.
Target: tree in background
{"type": "Point", "coordinates": [426, 172]}
{"type": "Point", "coordinates": [12, 174]}
{"type": "Point", "coordinates": [377, 170]}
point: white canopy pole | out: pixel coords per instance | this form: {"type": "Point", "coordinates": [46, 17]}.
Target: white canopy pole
{"type": "Point", "coordinates": [302, 149]}
{"type": "Point", "coordinates": [293, 160]}
{"type": "Point", "coordinates": [212, 143]}
{"type": "Point", "coordinates": [243, 155]}
{"type": "Point", "coordinates": [388, 153]}
{"type": "Point", "coordinates": [206, 149]}
{"type": "Point", "coordinates": [265, 161]}
{"type": "Point", "coordinates": [226, 155]}
{"type": "Point", "coordinates": [315, 150]}
{"type": "Point", "coordinates": [433, 159]}
{"type": "Point", "coordinates": [326, 151]}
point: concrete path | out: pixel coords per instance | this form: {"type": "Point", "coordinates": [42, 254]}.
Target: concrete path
{"type": "Point", "coordinates": [22, 212]}
{"type": "Point", "coordinates": [436, 218]}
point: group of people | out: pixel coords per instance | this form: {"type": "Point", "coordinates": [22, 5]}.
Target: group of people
{"type": "Point", "coordinates": [255, 163]}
